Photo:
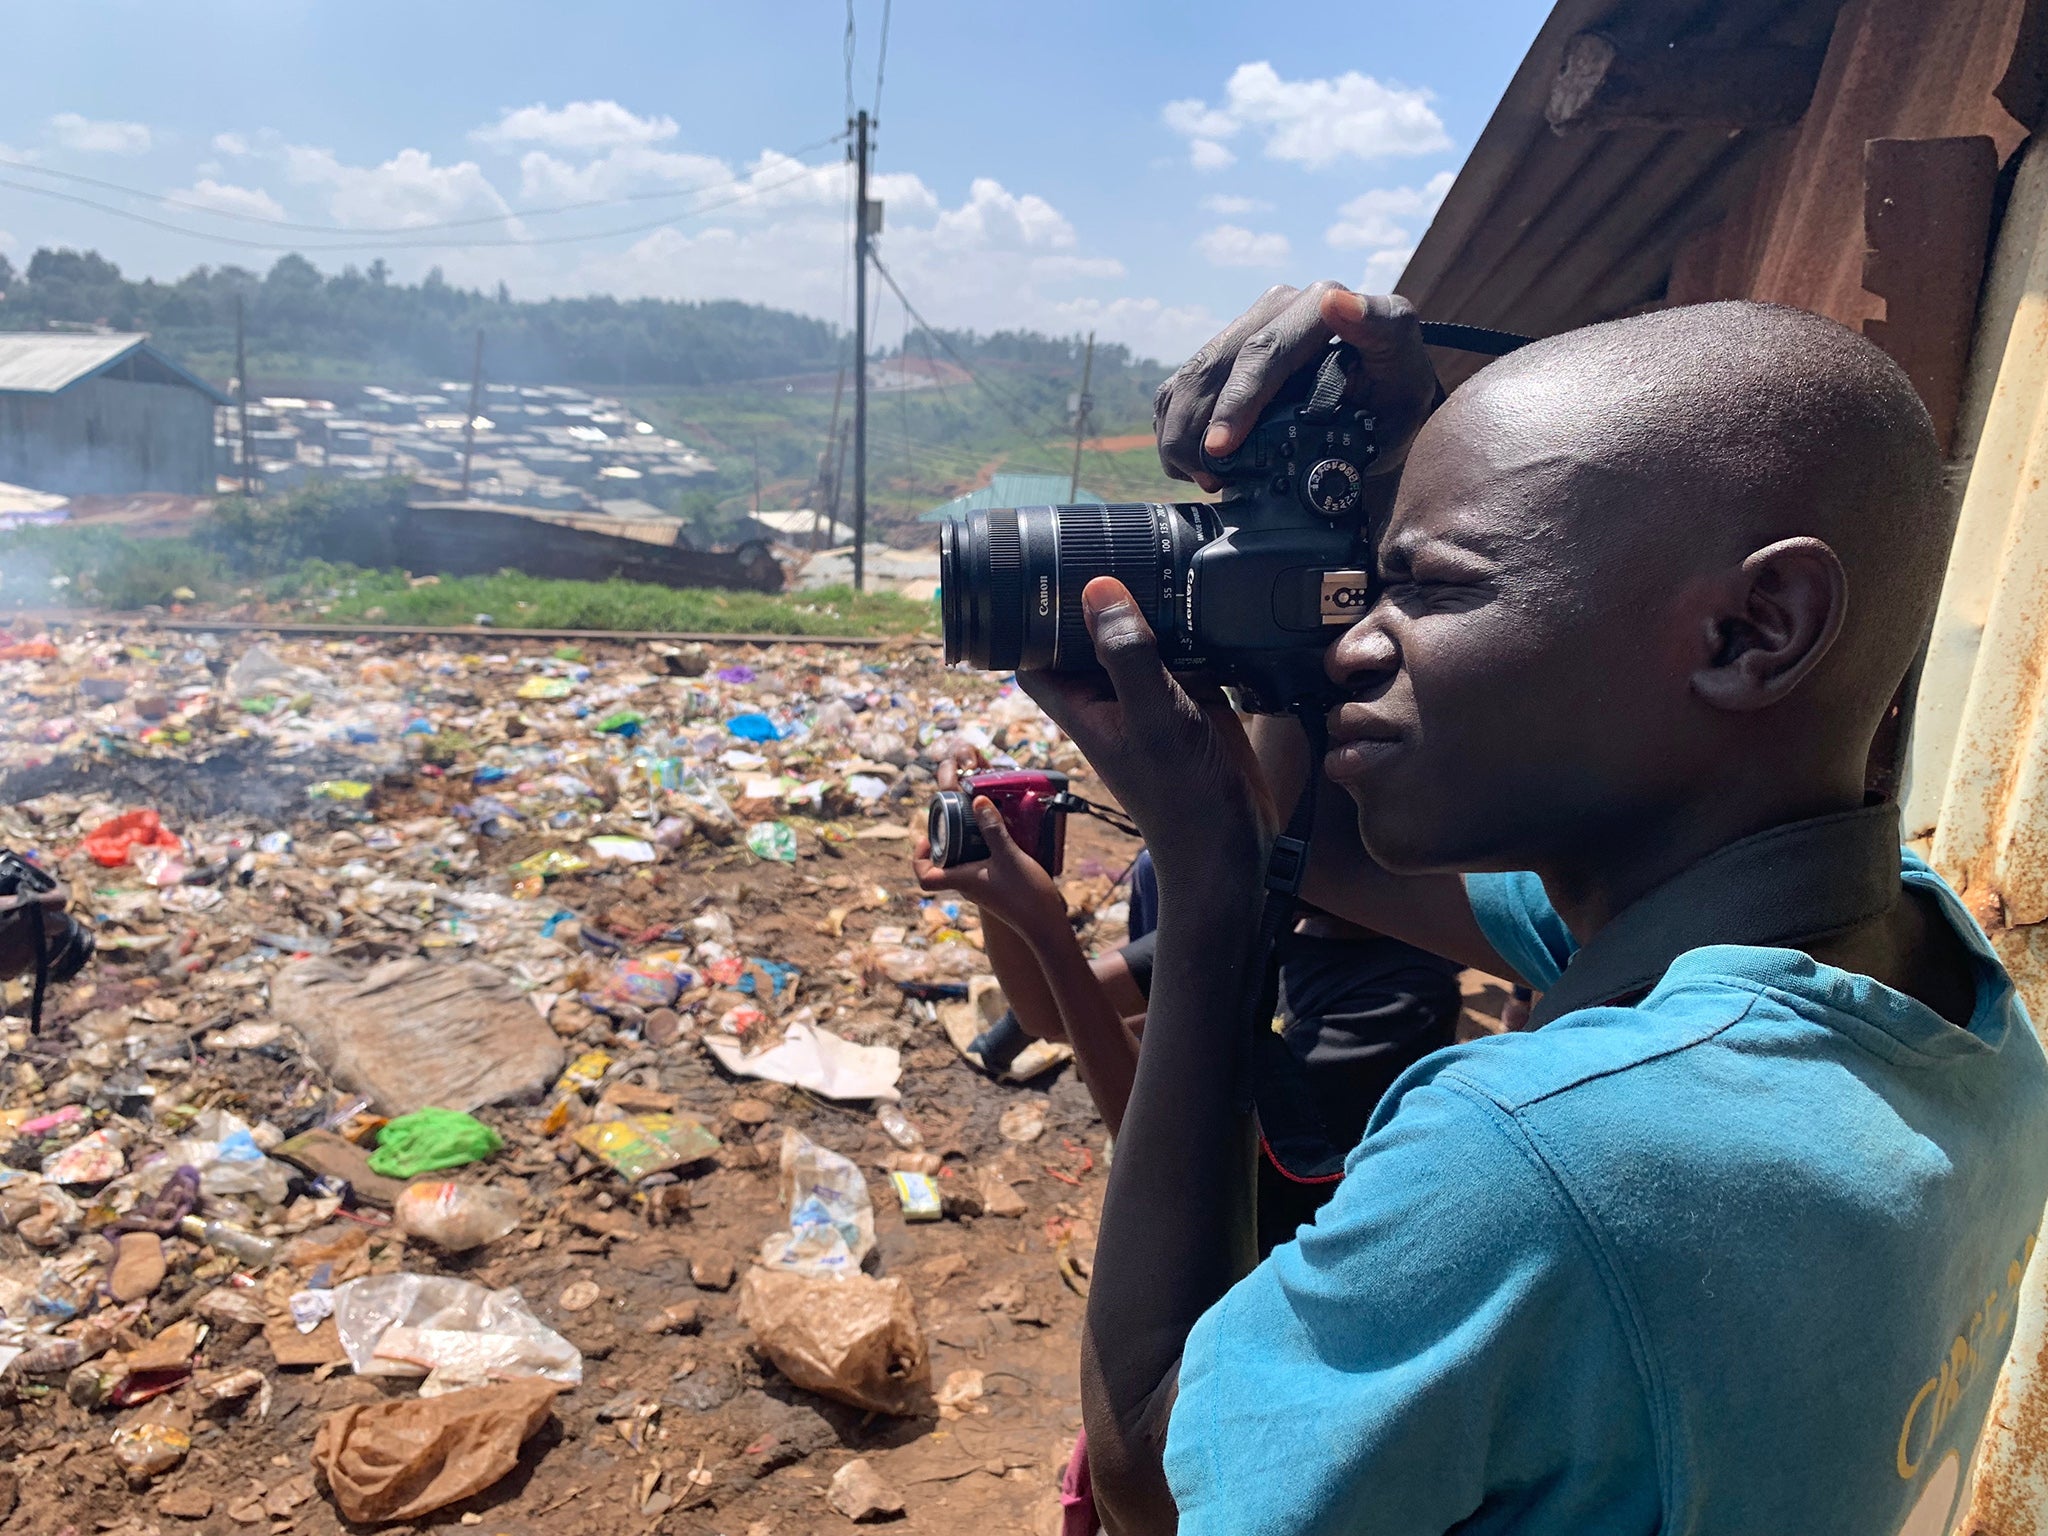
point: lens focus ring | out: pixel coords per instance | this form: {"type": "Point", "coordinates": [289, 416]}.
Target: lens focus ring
{"type": "Point", "coordinates": [1120, 541]}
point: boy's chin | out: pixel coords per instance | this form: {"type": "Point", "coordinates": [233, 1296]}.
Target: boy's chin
{"type": "Point", "coordinates": [1410, 846]}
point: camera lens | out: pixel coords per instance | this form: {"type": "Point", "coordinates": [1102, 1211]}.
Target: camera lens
{"type": "Point", "coordinates": [950, 825]}
{"type": "Point", "coordinates": [1010, 579]}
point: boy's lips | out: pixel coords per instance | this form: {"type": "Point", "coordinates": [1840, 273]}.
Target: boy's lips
{"type": "Point", "coordinates": [1358, 741]}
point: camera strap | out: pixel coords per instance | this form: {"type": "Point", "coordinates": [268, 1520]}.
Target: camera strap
{"type": "Point", "coordinates": [40, 943]}
{"type": "Point", "coordinates": [1068, 801]}
{"type": "Point", "coordinates": [1286, 868]}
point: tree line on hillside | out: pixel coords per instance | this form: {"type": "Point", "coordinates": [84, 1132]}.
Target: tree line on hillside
{"type": "Point", "coordinates": [360, 320]}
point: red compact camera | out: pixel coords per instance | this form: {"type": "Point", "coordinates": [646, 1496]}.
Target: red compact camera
{"type": "Point", "coordinates": [1034, 807]}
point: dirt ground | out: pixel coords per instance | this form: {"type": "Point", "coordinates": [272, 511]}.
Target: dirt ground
{"type": "Point", "coordinates": [675, 1427]}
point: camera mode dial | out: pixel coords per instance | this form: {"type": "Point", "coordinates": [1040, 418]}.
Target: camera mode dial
{"type": "Point", "coordinates": [1331, 487]}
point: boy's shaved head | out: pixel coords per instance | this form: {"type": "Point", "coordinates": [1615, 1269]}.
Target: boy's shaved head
{"type": "Point", "coordinates": [1745, 424]}
{"type": "Point", "coordinates": [1679, 560]}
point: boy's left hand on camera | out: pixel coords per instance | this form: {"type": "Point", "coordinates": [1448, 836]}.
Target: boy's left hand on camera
{"type": "Point", "coordinates": [1180, 767]}
{"type": "Point", "coordinates": [1008, 885]}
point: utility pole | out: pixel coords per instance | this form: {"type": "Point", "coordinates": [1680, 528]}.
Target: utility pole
{"type": "Point", "coordinates": [476, 389]}
{"type": "Point", "coordinates": [860, 353]}
{"type": "Point", "coordinates": [828, 470]}
{"type": "Point", "coordinates": [1081, 404]}
{"type": "Point", "coordinates": [754, 448]}
{"type": "Point", "coordinates": [242, 401]}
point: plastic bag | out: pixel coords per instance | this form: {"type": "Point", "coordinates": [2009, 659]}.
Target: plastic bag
{"type": "Point", "coordinates": [831, 1218]}
{"type": "Point", "coordinates": [112, 842]}
{"type": "Point", "coordinates": [453, 1332]}
{"type": "Point", "coordinates": [772, 840]}
{"type": "Point", "coordinates": [853, 1338]}
{"type": "Point", "coordinates": [455, 1217]}
{"type": "Point", "coordinates": [223, 1148]}
{"type": "Point", "coordinates": [431, 1139]}
{"type": "Point", "coordinates": [400, 1460]}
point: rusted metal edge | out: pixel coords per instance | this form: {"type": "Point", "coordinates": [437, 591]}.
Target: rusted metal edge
{"type": "Point", "coordinates": [473, 631]}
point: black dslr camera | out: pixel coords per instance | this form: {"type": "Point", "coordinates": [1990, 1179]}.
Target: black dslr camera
{"type": "Point", "coordinates": [1250, 590]}
{"type": "Point", "coordinates": [60, 954]}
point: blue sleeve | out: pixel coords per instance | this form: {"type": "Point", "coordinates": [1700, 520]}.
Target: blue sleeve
{"type": "Point", "coordinates": [1522, 926]}
{"type": "Point", "coordinates": [1439, 1347]}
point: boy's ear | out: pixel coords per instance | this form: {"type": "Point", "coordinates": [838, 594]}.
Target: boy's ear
{"type": "Point", "coordinates": [1772, 620]}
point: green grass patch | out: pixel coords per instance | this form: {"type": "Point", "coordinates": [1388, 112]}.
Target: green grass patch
{"type": "Point", "coordinates": [516, 601]}
{"type": "Point", "coordinates": [247, 555]}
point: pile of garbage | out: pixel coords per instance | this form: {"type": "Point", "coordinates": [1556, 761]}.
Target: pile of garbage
{"type": "Point", "coordinates": [423, 971]}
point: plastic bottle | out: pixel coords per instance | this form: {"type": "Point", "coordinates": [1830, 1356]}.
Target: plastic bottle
{"type": "Point", "coordinates": [897, 1127]}
{"type": "Point", "coordinates": [246, 1246]}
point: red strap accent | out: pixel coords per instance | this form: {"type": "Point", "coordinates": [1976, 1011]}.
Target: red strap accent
{"type": "Point", "coordinates": [1289, 1174]}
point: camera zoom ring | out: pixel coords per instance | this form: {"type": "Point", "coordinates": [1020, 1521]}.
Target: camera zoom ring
{"type": "Point", "coordinates": [1119, 541]}
{"type": "Point", "coordinates": [1005, 568]}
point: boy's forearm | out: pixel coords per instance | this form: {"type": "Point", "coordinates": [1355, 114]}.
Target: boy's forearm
{"type": "Point", "coordinates": [1015, 963]}
{"type": "Point", "coordinates": [1107, 1055]}
{"type": "Point", "coordinates": [1177, 1220]}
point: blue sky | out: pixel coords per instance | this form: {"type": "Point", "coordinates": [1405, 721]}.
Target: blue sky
{"type": "Point", "coordinates": [1140, 169]}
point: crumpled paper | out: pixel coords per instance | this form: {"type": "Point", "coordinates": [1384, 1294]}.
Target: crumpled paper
{"type": "Point", "coordinates": [817, 1059]}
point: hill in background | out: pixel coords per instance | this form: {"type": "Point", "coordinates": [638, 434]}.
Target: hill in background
{"type": "Point", "coordinates": [752, 387]}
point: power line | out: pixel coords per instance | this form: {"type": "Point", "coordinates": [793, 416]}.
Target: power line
{"type": "Point", "coordinates": [847, 49]}
{"type": "Point", "coordinates": [750, 191]}
{"type": "Point", "coordinates": [190, 206]}
{"type": "Point", "coordinates": [881, 58]}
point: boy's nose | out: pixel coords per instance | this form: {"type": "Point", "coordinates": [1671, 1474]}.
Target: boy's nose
{"type": "Point", "coordinates": [1364, 654]}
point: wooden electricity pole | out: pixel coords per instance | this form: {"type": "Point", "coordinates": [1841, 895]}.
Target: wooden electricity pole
{"type": "Point", "coordinates": [476, 389]}
{"type": "Point", "coordinates": [242, 401]}
{"type": "Point", "coordinates": [1081, 404]}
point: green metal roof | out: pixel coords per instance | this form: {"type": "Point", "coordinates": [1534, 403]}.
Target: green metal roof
{"type": "Point", "coordinates": [1014, 490]}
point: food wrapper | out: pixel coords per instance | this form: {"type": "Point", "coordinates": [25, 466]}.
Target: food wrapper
{"type": "Point", "coordinates": [586, 1071]}
{"type": "Point", "coordinates": [639, 1145]}
{"type": "Point", "coordinates": [919, 1195]}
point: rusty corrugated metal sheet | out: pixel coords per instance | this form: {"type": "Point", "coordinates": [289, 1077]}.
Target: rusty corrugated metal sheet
{"type": "Point", "coordinates": [1543, 232]}
{"type": "Point", "coordinates": [1978, 783]}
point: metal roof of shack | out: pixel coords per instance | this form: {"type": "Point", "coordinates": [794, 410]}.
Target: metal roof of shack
{"type": "Point", "coordinates": [1630, 125]}
{"type": "Point", "coordinates": [48, 362]}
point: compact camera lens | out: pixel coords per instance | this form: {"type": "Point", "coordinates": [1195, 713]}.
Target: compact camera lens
{"type": "Point", "coordinates": [950, 824]}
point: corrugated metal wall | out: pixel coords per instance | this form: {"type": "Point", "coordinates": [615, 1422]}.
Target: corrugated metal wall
{"type": "Point", "coordinates": [109, 436]}
{"type": "Point", "coordinates": [1978, 771]}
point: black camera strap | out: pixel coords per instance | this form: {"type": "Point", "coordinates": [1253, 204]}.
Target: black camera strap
{"type": "Point", "coordinates": [1286, 868]}
{"type": "Point", "coordinates": [39, 941]}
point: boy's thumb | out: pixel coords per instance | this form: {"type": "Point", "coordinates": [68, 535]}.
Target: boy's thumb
{"type": "Point", "coordinates": [993, 829]}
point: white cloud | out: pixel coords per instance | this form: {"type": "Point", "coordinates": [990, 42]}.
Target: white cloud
{"type": "Point", "coordinates": [1195, 119]}
{"type": "Point", "coordinates": [1314, 123]}
{"type": "Point", "coordinates": [1232, 245]}
{"type": "Point", "coordinates": [623, 170]}
{"type": "Point", "coordinates": [99, 137]}
{"type": "Point", "coordinates": [404, 192]}
{"type": "Point", "coordinates": [994, 216]}
{"type": "Point", "coordinates": [1386, 222]}
{"type": "Point", "coordinates": [1383, 269]}
{"type": "Point", "coordinates": [1148, 327]}
{"type": "Point", "coordinates": [1228, 205]}
{"type": "Point", "coordinates": [225, 197]}
{"type": "Point", "coordinates": [1208, 155]}
{"type": "Point", "coordinates": [230, 144]}
{"type": "Point", "coordinates": [772, 230]}
{"type": "Point", "coordinates": [1385, 216]}
{"type": "Point", "coordinates": [579, 125]}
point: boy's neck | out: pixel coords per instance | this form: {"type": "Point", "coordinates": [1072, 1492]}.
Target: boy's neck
{"type": "Point", "coordinates": [1590, 884]}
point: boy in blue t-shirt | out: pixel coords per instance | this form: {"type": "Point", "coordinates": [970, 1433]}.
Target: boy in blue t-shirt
{"type": "Point", "coordinates": [1731, 1241]}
